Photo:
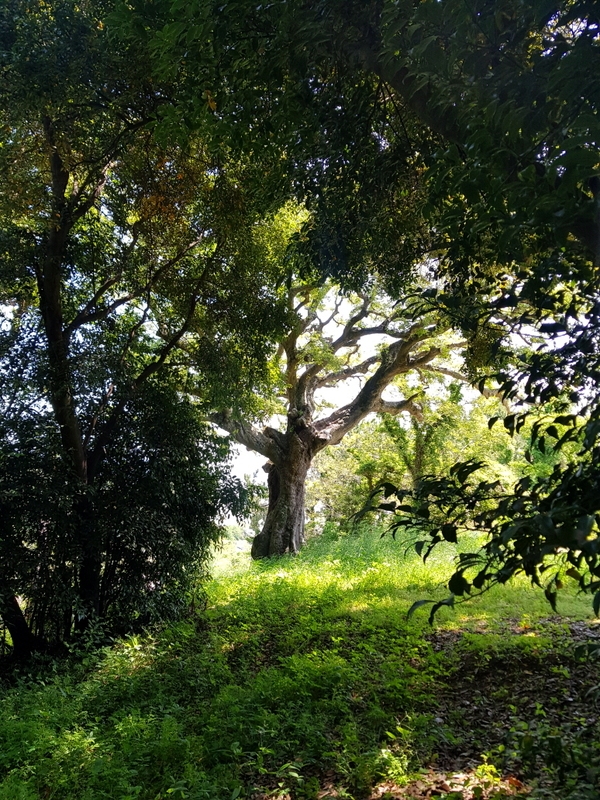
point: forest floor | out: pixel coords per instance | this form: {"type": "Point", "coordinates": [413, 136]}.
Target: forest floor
{"type": "Point", "coordinates": [302, 678]}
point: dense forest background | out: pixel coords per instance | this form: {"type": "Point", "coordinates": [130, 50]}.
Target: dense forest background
{"type": "Point", "coordinates": [360, 239]}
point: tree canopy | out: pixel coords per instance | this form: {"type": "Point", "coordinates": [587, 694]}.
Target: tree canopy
{"type": "Point", "coordinates": [146, 149]}
{"type": "Point", "coordinates": [132, 267]}
{"type": "Point", "coordinates": [492, 110]}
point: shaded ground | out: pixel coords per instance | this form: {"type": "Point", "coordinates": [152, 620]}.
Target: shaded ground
{"type": "Point", "coordinates": [303, 679]}
{"type": "Point", "coordinates": [528, 701]}
{"type": "Point", "coordinates": [499, 689]}
{"type": "Point", "coordinates": [518, 717]}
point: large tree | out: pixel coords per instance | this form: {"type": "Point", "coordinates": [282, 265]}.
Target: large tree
{"type": "Point", "coordinates": [324, 350]}
{"type": "Point", "coordinates": [131, 264]}
{"type": "Point", "coordinates": [497, 106]}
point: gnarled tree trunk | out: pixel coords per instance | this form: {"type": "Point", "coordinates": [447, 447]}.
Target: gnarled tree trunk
{"type": "Point", "coordinates": [283, 531]}
{"type": "Point", "coordinates": [290, 453]}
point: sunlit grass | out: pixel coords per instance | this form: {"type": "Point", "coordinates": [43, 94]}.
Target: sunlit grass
{"type": "Point", "coordinates": [297, 668]}
{"type": "Point", "coordinates": [363, 572]}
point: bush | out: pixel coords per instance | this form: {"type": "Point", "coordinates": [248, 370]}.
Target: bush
{"type": "Point", "coordinates": [152, 513]}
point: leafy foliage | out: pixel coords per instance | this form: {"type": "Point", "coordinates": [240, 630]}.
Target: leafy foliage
{"type": "Point", "coordinates": [460, 135]}
{"type": "Point", "coordinates": [134, 267]}
{"type": "Point", "coordinates": [402, 451]}
{"type": "Point", "coordinates": [482, 118]}
{"type": "Point", "coordinates": [151, 514]}
{"type": "Point", "coordinates": [545, 513]}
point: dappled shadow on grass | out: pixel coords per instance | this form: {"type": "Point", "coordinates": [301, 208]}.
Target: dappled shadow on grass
{"type": "Point", "coordinates": [303, 678]}
{"type": "Point", "coordinates": [354, 575]}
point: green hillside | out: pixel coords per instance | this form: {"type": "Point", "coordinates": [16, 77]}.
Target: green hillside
{"type": "Point", "coordinates": [302, 678]}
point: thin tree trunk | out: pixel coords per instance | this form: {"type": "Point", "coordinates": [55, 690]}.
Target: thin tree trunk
{"type": "Point", "coordinates": [90, 573]}
{"type": "Point", "coordinates": [49, 279]}
{"type": "Point", "coordinates": [419, 455]}
{"type": "Point", "coordinates": [90, 565]}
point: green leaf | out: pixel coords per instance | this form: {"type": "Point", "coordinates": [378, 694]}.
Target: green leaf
{"type": "Point", "coordinates": [480, 579]}
{"type": "Point", "coordinates": [459, 585]}
{"type": "Point", "coordinates": [541, 443]}
{"type": "Point", "coordinates": [566, 419]}
{"type": "Point", "coordinates": [419, 547]}
{"type": "Point", "coordinates": [449, 533]}
{"type": "Point", "coordinates": [449, 602]}
{"type": "Point", "coordinates": [550, 597]}
{"type": "Point", "coordinates": [417, 604]}
{"type": "Point", "coordinates": [466, 468]}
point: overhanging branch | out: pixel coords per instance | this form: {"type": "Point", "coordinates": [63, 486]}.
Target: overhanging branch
{"type": "Point", "coordinates": [267, 443]}
{"type": "Point", "coordinates": [399, 406]}
{"type": "Point", "coordinates": [348, 372]}
{"type": "Point", "coordinates": [396, 360]}
{"type": "Point", "coordinates": [89, 313]}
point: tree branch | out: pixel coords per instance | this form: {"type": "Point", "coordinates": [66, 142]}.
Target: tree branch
{"type": "Point", "coordinates": [362, 313]}
{"type": "Point", "coordinates": [268, 443]}
{"type": "Point", "coordinates": [324, 322]}
{"type": "Point", "coordinates": [445, 371]}
{"type": "Point", "coordinates": [396, 360]}
{"type": "Point", "coordinates": [99, 314]}
{"type": "Point", "coordinates": [80, 206]}
{"type": "Point", "coordinates": [349, 372]}
{"type": "Point", "coordinates": [457, 376]}
{"type": "Point", "coordinates": [87, 315]}
{"type": "Point", "coordinates": [398, 406]}
{"type": "Point", "coordinates": [350, 336]}
{"type": "Point", "coordinates": [106, 432]}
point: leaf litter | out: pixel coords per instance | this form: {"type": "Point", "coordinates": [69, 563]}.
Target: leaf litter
{"type": "Point", "coordinates": [545, 675]}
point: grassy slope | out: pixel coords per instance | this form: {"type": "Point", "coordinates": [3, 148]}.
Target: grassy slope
{"type": "Point", "coordinates": [302, 677]}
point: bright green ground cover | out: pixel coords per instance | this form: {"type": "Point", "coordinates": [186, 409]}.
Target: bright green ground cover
{"type": "Point", "coordinates": [301, 676]}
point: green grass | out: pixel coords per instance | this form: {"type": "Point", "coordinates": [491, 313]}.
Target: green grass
{"type": "Point", "coordinates": [301, 675]}
{"type": "Point", "coordinates": [368, 573]}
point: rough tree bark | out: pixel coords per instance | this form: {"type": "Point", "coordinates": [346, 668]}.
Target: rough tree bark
{"type": "Point", "coordinates": [283, 530]}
